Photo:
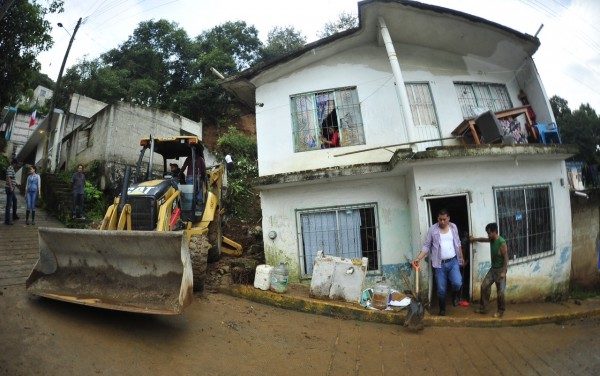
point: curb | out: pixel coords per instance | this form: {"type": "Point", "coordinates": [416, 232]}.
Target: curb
{"type": "Point", "coordinates": [340, 310]}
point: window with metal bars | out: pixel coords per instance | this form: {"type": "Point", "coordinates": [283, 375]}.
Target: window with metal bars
{"type": "Point", "coordinates": [349, 232]}
{"type": "Point", "coordinates": [326, 119]}
{"type": "Point", "coordinates": [477, 97]}
{"type": "Point", "coordinates": [525, 220]}
{"type": "Point", "coordinates": [421, 104]}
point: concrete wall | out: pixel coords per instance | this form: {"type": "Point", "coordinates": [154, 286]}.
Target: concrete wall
{"type": "Point", "coordinates": [530, 280]}
{"type": "Point", "coordinates": [586, 241]}
{"type": "Point", "coordinates": [279, 208]}
{"type": "Point", "coordinates": [368, 69]}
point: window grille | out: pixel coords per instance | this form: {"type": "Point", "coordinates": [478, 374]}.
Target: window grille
{"type": "Point", "coordinates": [475, 98]}
{"type": "Point", "coordinates": [83, 138]}
{"type": "Point", "coordinates": [421, 104]}
{"type": "Point", "coordinates": [525, 220]}
{"type": "Point", "coordinates": [349, 232]}
{"type": "Point", "coordinates": [317, 116]}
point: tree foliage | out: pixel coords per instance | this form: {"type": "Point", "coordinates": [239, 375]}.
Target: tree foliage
{"type": "Point", "coordinates": [281, 41]}
{"type": "Point", "coordinates": [344, 22]}
{"type": "Point", "coordinates": [24, 33]}
{"type": "Point", "coordinates": [580, 127]}
{"type": "Point", "coordinates": [160, 66]}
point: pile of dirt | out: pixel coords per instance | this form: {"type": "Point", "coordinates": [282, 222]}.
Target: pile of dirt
{"type": "Point", "coordinates": [239, 270]}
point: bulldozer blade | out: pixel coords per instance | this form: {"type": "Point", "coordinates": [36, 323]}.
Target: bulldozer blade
{"type": "Point", "coordinates": [136, 271]}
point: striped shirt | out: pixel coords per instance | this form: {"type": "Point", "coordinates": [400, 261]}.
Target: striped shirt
{"type": "Point", "coordinates": [10, 177]}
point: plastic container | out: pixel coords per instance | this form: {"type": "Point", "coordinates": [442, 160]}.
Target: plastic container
{"type": "Point", "coordinates": [262, 277]}
{"type": "Point", "coordinates": [279, 278]}
{"type": "Point", "coordinates": [381, 293]}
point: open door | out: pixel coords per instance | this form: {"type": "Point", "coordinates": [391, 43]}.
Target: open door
{"type": "Point", "coordinates": [458, 210]}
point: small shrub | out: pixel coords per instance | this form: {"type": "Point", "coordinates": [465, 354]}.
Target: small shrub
{"type": "Point", "coordinates": [3, 166]}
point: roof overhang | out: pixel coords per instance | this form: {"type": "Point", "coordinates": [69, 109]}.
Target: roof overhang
{"type": "Point", "coordinates": [403, 160]}
{"type": "Point", "coordinates": [409, 22]}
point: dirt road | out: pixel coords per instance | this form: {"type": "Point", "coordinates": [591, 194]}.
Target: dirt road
{"type": "Point", "coordinates": [221, 335]}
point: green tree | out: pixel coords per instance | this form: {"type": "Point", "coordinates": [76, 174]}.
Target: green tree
{"type": "Point", "coordinates": [281, 41]}
{"type": "Point", "coordinates": [344, 22]}
{"type": "Point", "coordinates": [24, 33]}
{"type": "Point", "coordinates": [580, 127]}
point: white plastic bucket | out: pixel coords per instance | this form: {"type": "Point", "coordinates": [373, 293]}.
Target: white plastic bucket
{"type": "Point", "coordinates": [262, 278]}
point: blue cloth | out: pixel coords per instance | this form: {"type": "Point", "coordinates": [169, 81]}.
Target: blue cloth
{"type": "Point", "coordinates": [447, 271]}
{"type": "Point", "coordinates": [30, 199]}
{"type": "Point", "coordinates": [33, 183]}
{"type": "Point", "coordinates": [78, 182]}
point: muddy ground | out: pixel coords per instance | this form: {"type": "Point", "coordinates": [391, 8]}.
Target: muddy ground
{"type": "Point", "coordinates": [221, 335]}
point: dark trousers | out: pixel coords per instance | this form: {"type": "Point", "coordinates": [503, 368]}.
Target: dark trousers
{"type": "Point", "coordinates": [493, 276]}
{"type": "Point", "coordinates": [11, 202]}
{"type": "Point", "coordinates": [77, 204]}
{"type": "Point", "coordinates": [229, 166]}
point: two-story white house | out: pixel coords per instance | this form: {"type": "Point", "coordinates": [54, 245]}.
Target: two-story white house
{"type": "Point", "coordinates": [357, 153]}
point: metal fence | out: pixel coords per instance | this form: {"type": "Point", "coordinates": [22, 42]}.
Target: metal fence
{"type": "Point", "coordinates": [525, 220]}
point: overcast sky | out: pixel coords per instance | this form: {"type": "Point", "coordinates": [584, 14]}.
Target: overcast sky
{"type": "Point", "coordinates": [568, 59]}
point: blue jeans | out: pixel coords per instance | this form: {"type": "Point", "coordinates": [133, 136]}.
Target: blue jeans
{"type": "Point", "coordinates": [448, 271]}
{"type": "Point", "coordinates": [77, 204]}
{"type": "Point", "coordinates": [30, 199]}
{"type": "Point", "coordinates": [11, 202]}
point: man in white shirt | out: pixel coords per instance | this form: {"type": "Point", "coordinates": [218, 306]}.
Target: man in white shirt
{"type": "Point", "coordinates": [443, 246]}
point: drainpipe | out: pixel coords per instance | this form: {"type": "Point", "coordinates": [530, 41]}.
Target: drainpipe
{"type": "Point", "coordinates": [400, 90]}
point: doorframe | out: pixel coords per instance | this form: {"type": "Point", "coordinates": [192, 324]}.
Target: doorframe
{"type": "Point", "coordinates": [467, 196]}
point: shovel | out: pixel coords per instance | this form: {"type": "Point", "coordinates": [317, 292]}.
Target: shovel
{"type": "Point", "coordinates": [414, 316]}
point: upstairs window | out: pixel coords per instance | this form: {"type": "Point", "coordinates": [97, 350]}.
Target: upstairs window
{"type": "Point", "coordinates": [326, 119]}
{"type": "Point", "coordinates": [476, 97]}
{"type": "Point", "coordinates": [421, 104]}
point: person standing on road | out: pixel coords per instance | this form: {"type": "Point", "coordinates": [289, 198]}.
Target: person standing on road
{"type": "Point", "coordinates": [11, 193]}
{"type": "Point", "coordinates": [32, 191]}
{"type": "Point", "coordinates": [78, 183]}
{"type": "Point", "coordinates": [497, 273]}
{"type": "Point", "coordinates": [443, 246]}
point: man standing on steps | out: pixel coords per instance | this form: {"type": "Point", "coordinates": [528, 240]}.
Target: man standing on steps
{"type": "Point", "coordinates": [78, 183]}
{"type": "Point", "coordinates": [443, 246]}
{"type": "Point", "coordinates": [11, 193]}
{"type": "Point", "coordinates": [497, 273]}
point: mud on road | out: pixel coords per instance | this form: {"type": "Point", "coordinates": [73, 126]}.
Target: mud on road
{"type": "Point", "coordinates": [221, 335]}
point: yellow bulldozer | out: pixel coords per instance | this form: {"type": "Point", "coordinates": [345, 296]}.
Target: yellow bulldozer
{"type": "Point", "coordinates": [152, 248]}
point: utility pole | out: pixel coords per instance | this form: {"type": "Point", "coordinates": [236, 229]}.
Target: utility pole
{"type": "Point", "coordinates": [54, 96]}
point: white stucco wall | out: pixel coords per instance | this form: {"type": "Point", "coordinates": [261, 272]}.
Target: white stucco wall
{"type": "Point", "coordinates": [526, 280]}
{"type": "Point", "coordinates": [368, 69]}
{"type": "Point", "coordinates": [279, 208]}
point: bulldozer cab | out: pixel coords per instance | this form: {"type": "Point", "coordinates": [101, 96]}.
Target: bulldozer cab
{"type": "Point", "coordinates": [192, 183]}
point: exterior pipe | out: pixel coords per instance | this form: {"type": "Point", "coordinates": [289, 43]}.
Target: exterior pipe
{"type": "Point", "coordinates": [400, 91]}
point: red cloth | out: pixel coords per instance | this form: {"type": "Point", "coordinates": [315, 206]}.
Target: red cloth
{"type": "Point", "coordinates": [33, 119]}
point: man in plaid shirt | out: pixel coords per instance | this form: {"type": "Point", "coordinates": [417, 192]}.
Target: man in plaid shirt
{"type": "Point", "coordinates": [11, 193]}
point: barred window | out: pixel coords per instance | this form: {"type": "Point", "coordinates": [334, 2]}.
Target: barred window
{"type": "Point", "coordinates": [421, 104]}
{"type": "Point", "coordinates": [476, 97]}
{"type": "Point", "coordinates": [349, 231]}
{"type": "Point", "coordinates": [326, 119]}
{"type": "Point", "coordinates": [525, 220]}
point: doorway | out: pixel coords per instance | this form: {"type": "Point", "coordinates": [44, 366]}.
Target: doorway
{"type": "Point", "coordinates": [457, 207]}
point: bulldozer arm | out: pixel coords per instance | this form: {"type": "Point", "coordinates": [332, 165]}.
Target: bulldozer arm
{"type": "Point", "coordinates": [137, 271]}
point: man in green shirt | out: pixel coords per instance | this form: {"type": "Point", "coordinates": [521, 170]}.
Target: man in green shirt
{"type": "Point", "coordinates": [497, 273]}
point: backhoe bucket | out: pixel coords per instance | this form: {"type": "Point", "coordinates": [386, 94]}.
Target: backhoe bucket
{"type": "Point", "coordinates": [135, 271]}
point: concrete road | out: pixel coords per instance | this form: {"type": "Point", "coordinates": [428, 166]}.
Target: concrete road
{"type": "Point", "coordinates": [222, 335]}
